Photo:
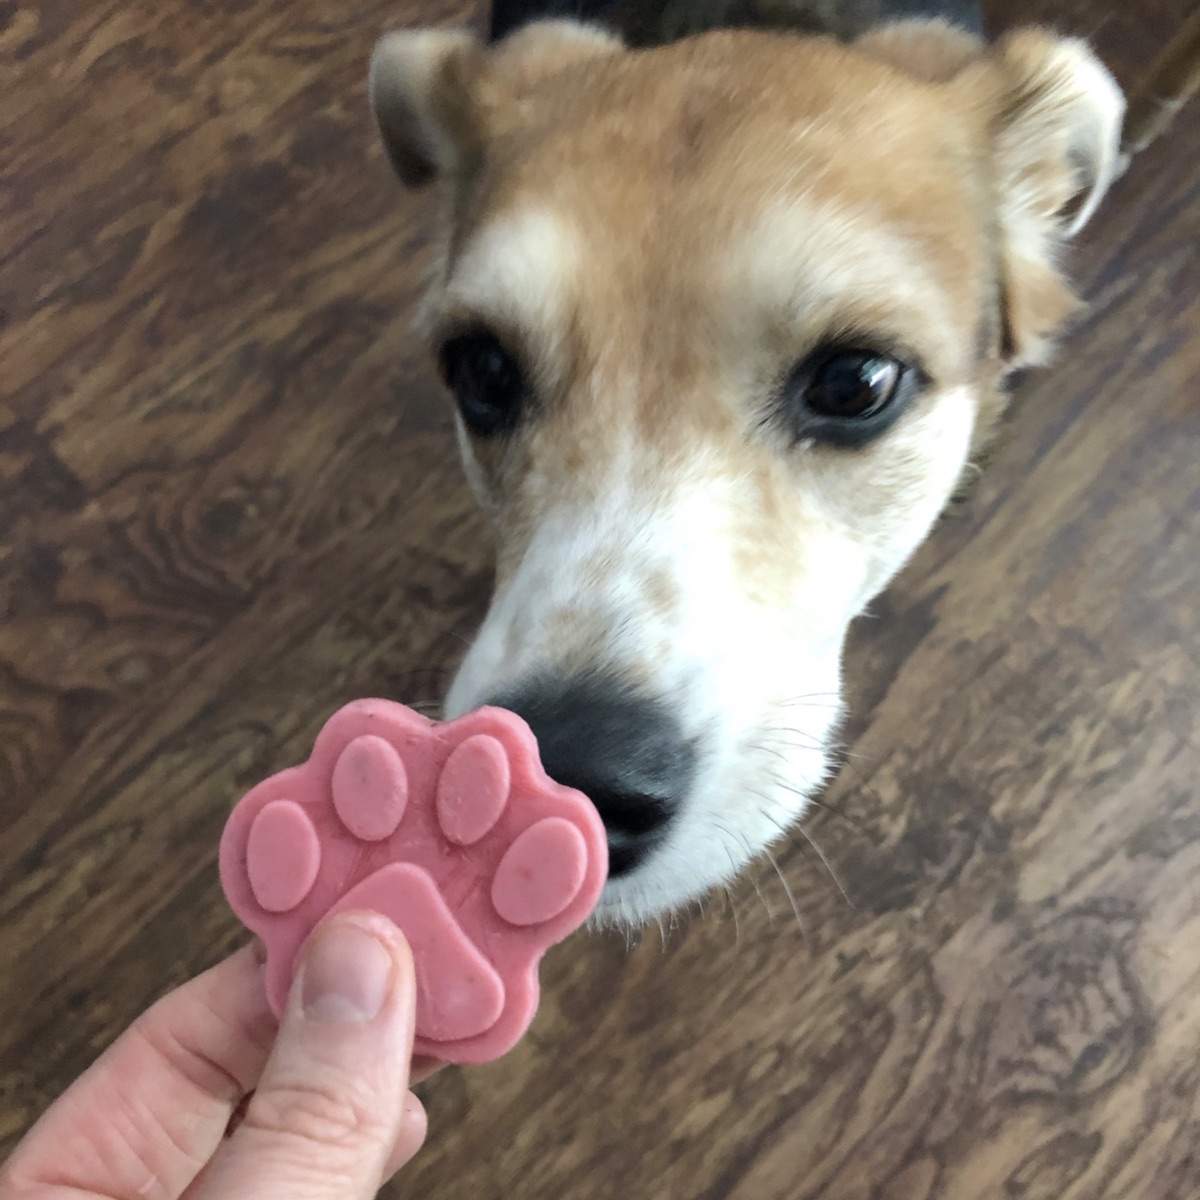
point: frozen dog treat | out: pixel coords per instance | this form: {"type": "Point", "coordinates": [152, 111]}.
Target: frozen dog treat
{"type": "Point", "coordinates": [451, 830]}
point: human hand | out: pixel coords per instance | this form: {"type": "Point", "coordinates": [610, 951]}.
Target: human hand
{"type": "Point", "coordinates": [330, 1114]}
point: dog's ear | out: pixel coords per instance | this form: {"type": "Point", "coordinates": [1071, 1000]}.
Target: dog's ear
{"type": "Point", "coordinates": [434, 92]}
{"type": "Point", "coordinates": [1056, 118]}
{"type": "Point", "coordinates": [933, 50]}
{"type": "Point", "coordinates": [422, 94]}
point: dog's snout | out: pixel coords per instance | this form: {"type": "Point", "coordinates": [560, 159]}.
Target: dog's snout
{"type": "Point", "coordinates": [626, 753]}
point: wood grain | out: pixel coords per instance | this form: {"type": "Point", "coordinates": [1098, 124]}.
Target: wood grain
{"type": "Point", "coordinates": [229, 502]}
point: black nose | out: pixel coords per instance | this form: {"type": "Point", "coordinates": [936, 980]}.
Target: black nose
{"type": "Point", "coordinates": [625, 752]}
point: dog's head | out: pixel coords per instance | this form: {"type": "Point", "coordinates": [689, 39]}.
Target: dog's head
{"type": "Point", "coordinates": [725, 321]}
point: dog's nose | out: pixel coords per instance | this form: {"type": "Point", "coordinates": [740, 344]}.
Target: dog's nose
{"type": "Point", "coordinates": [626, 753]}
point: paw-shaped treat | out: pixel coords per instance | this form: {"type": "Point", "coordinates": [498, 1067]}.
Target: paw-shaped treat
{"type": "Point", "coordinates": [453, 831]}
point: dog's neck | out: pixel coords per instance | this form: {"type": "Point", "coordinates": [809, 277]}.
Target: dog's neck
{"type": "Point", "coordinates": [656, 22]}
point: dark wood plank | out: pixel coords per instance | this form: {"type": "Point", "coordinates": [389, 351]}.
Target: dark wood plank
{"type": "Point", "coordinates": [229, 502]}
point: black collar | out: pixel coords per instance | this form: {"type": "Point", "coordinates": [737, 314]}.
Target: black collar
{"type": "Point", "coordinates": [656, 22]}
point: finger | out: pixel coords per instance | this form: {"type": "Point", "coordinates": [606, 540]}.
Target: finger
{"type": "Point", "coordinates": [413, 1129]}
{"type": "Point", "coordinates": [330, 1104]}
{"type": "Point", "coordinates": [146, 1116]}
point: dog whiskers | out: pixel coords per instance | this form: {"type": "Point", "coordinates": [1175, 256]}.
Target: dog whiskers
{"type": "Point", "coordinates": [787, 891]}
{"type": "Point", "coordinates": [815, 801]}
{"type": "Point", "coordinates": [749, 852]}
{"type": "Point", "coordinates": [828, 866]}
{"type": "Point", "coordinates": [733, 867]}
{"type": "Point", "coordinates": [808, 742]}
{"type": "Point", "coordinates": [762, 899]}
{"type": "Point", "coordinates": [749, 855]}
{"type": "Point", "coordinates": [733, 870]}
{"type": "Point", "coordinates": [767, 816]}
{"type": "Point", "coordinates": [737, 925]}
{"type": "Point", "coordinates": [779, 754]}
{"type": "Point", "coordinates": [799, 739]}
{"type": "Point", "coordinates": [832, 809]}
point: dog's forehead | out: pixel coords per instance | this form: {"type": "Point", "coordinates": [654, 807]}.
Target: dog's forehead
{"type": "Point", "coordinates": [701, 125]}
{"type": "Point", "coordinates": [736, 161]}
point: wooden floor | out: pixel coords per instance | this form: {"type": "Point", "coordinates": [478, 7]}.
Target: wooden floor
{"type": "Point", "coordinates": [229, 502]}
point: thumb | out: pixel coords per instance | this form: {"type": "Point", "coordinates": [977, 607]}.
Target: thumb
{"type": "Point", "coordinates": [330, 1105]}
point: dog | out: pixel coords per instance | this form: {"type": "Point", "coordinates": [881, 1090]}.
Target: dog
{"type": "Point", "coordinates": [726, 307]}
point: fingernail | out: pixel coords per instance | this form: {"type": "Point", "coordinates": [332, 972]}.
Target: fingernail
{"type": "Point", "coordinates": [347, 973]}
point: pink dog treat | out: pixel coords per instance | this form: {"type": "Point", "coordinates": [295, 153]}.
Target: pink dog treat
{"type": "Point", "coordinates": [453, 831]}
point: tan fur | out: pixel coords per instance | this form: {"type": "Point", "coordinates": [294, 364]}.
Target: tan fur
{"type": "Point", "coordinates": [929, 50]}
{"type": "Point", "coordinates": [659, 236]}
{"type": "Point", "coordinates": [571, 122]}
{"type": "Point", "coordinates": [930, 173]}
{"type": "Point", "coordinates": [651, 340]}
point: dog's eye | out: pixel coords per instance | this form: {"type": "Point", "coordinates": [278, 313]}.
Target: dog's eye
{"type": "Point", "coordinates": [853, 386]}
{"type": "Point", "coordinates": [486, 381]}
{"type": "Point", "coordinates": [847, 396]}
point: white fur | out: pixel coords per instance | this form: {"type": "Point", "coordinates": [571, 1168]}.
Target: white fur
{"type": "Point", "coordinates": [749, 654]}
{"type": "Point", "coordinates": [519, 270]}
{"type": "Point", "coordinates": [723, 667]}
{"type": "Point", "coordinates": [805, 257]}
{"type": "Point", "coordinates": [758, 685]}
{"type": "Point", "coordinates": [753, 674]}
{"type": "Point", "coordinates": [753, 677]}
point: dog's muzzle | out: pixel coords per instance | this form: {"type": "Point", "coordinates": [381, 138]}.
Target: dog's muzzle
{"type": "Point", "coordinates": [625, 752]}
